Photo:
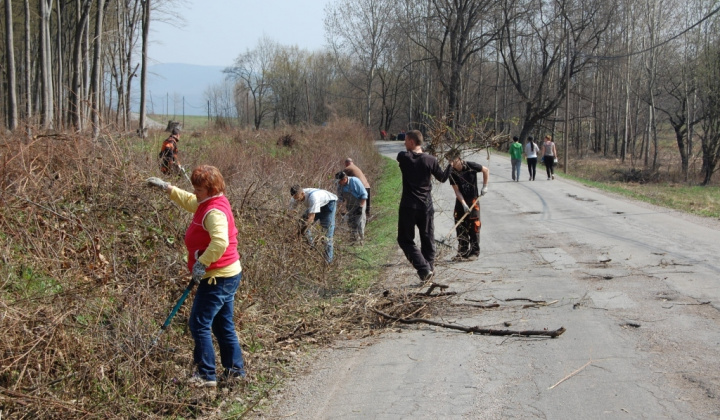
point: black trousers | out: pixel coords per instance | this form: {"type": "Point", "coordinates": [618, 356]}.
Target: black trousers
{"type": "Point", "coordinates": [468, 231]}
{"type": "Point", "coordinates": [549, 165]}
{"type": "Point", "coordinates": [532, 167]}
{"type": "Point", "coordinates": [422, 259]}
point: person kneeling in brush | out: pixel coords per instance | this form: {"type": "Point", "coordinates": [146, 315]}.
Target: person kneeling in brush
{"type": "Point", "coordinates": [320, 205]}
{"type": "Point", "coordinates": [213, 259]}
{"type": "Point", "coordinates": [463, 179]}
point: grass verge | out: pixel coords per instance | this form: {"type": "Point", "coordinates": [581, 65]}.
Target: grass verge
{"type": "Point", "coordinates": [702, 201]}
{"type": "Point", "coordinates": [381, 232]}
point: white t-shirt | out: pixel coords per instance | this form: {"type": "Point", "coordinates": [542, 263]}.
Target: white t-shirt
{"type": "Point", "coordinates": [531, 149]}
{"type": "Point", "coordinates": [315, 198]}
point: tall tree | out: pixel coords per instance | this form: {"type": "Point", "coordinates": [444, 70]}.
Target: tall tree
{"type": "Point", "coordinates": [96, 69]}
{"type": "Point", "coordinates": [533, 49]}
{"type": "Point", "coordinates": [10, 61]}
{"type": "Point", "coordinates": [48, 102]}
{"type": "Point", "coordinates": [359, 29]}
{"type": "Point", "coordinates": [143, 63]}
{"type": "Point", "coordinates": [75, 93]}
{"type": "Point", "coordinates": [252, 69]}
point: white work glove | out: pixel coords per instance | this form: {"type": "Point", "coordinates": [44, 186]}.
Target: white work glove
{"type": "Point", "coordinates": [198, 271]}
{"type": "Point", "coordinates": [483, 191]}
{"type": "Point", "coordinates": [465, 207]}
{"type": "Point", "coordinates": [158, 183]}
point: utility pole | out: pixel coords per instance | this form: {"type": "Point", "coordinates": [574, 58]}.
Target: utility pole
{"type": "Point", "coordinates": [183, 124]}
{"type": "Point", "coordinates": [567, 99]}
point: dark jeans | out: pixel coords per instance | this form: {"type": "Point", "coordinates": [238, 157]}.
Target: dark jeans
{"type": "Point", "coordinates": [422, 259]}
{"type": "Point", "coordinates": [468, 231]}
{"type": "Point", "coordinates": [367, 203]}
{"type": "Point", "coordinates": [532, 167]}
{"type": "Point", "coordinates": [213, 310]}
{"type": "Point", "coordinates": [549, 162]}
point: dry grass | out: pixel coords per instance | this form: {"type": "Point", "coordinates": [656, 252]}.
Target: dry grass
{"type": "Point", "coordinates": [665, 186]}
{"type": "Point", "coordinates": [92, 262]}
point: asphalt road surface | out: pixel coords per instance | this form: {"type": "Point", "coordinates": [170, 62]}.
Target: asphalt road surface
{"type": "Point", "coordinates": [636, 287]}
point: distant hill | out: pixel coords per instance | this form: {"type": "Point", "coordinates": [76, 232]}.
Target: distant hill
{"type": "Point", "coordinates": [168, 83]}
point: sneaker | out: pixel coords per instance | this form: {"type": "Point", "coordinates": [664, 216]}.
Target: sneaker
{"type": "Point", "coordinates": [425, 275]}
{"type": "Point", "coordinates": [458, 258]}
{"type": "Point", "coordinates": [198, 381]}
{"type": "Point", "coordinates": [548, 178]}
{"type": "Point", "coordinates": [553, 176]}
{"type": "Point", "coordinates": [472, 257]}
{"type": "Point", "coordinates": [530, 179]}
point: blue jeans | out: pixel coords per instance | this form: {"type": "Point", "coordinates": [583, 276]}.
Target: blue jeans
{"type": "Point", "coordinates": [326, 217]}
{"type": "Point", "coordinates": [213, 310]}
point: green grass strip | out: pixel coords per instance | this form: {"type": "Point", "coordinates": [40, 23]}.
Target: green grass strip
{"type": "Point", "coordinates": [380, 232]}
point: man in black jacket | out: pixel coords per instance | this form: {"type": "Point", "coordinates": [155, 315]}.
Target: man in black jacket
{"type": "Point", "coordinates": [416, 207]}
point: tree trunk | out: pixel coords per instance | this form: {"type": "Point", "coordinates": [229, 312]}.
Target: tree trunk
{"type": "Point", "coordinates": [143, 71]}
{"type": "Point", "coordinates": [10, 56]}
{"type": "Point", "coordinates": [96, 70]}
{"type": "Point", "coordinates": [28, 67]}
{"type": "Point", "coordinates": [75, 94]}
{"type": "Point", "coordinates": [45, 65]}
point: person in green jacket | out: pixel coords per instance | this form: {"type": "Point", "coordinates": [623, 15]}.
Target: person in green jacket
{"type": "Point", "coordinates": [516, 151]}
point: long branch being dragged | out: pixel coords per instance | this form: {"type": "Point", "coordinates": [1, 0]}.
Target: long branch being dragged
{"type": "Point", "coordinates": [474, 330]}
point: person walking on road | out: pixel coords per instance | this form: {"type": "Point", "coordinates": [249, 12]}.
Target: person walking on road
{"type": "Point", "coordinates": [549, 154]}
{"type": "Point", "coordinates": [352, 170]}
{"type": "Point", "coordinates": [168, 156]}
{"type": "Point", "coordinates": [516, 152]}
{"type": "Point", "coordinates": [416, 207]}
{"type": "Point", "coordinates": [531, 151]}
{"type": "Point", "coordinates": [352, 192]}
{"type": "Point", "coordinates": [463, 179]}
{"type": "Point", "coordinates": [320, 205]}
{"type": "Point", "coordinates": [213, 259]}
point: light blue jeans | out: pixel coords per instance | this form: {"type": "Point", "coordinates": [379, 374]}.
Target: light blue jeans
{"type": "Point", "coordinates": [213, 310]}
{"type": "Point", "coordinates": [326, 217]}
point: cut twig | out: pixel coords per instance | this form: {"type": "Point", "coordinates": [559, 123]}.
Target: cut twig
{"type": "Point", "coordinates": [572, 374]}
{"type": "Point", "coordinates": [474, 330]}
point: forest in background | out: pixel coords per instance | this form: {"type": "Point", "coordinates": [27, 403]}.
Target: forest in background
{"type": "Point", "coordinates": [609, 78]}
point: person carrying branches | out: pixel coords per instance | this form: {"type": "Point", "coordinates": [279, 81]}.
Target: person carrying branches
{"type": "Point", "coordinates": [463, 179]}
{"type": "Point", "coordinates": [416, 206]}
{"type": "Point", "coordinates": [168, 156]}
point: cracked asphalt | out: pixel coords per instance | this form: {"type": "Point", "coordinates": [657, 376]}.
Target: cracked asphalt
{"type": "Point", "coordinates": [636, 286]}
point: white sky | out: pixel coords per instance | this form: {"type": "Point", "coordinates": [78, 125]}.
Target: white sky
{"type": "Point", "coordinates": [217, 31]}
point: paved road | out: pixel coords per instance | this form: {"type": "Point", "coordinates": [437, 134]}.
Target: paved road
{"type": "Point", "coordinates": [637, 288]}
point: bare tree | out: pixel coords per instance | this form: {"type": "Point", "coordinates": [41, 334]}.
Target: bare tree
{"type": "Point", "coordinates": [10, 61]}
{"type": "Point", "coordinates": [533, 50]}
{"type": "Point", "coordinates": [143, 63]}
{"type": "Point", "coordinates": [76, 88]}
{"type": "Point", "coordinates": [252, 69]}
{"type": "Point", "coordinates": [359, 30]}
{"type": "Point", "coordinates": [96, 69]}
{"type": "Point", "coordinates": [46, 65]}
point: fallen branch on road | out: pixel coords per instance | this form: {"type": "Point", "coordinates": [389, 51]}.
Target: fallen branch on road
{"type": "Point", "coordinates": [572, 374]}
{"type": "Point", "coordinates": [474, 330]}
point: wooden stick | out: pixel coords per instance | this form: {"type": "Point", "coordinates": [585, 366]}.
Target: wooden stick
{"type": "Point", "coordinates": [474, 330]}
{"type": "Point", "coordinates": [572, 374]}
{"type": "Point", "coordinates": [460, 221]}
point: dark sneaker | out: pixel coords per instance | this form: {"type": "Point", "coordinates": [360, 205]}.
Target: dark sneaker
{"type": "Point", "coordinates": [425, 275]}
{"type": "Point", "coordinates": [198, 381]}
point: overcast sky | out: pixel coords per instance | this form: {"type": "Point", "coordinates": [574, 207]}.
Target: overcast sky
{"type": "Point", "coordinates": [217, 31]}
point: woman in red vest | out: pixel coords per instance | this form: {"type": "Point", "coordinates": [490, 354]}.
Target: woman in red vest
{"type": "Point", "coordinates": [213, 259]}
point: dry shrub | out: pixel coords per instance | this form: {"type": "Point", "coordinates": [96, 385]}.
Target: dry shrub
{"type": "Point", "coordinates": [92, 263]}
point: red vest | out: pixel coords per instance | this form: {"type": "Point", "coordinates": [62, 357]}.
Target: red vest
{"type": "Point", "coordinates": [197, 238]}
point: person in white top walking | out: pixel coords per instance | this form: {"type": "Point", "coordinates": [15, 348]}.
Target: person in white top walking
{"type": "Point", "coordinates": [531, 151]}
{"type": "Point", "coordinates": [320, 205]}
{"type": "Point", "coordinates": [549, 154]}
